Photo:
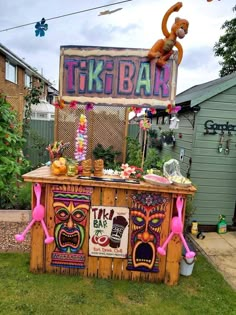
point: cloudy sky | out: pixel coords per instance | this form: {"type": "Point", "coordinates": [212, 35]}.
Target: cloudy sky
{"type": "Point", "coordinates": [137, 25]}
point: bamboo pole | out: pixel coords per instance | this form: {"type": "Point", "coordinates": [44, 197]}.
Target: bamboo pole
{"type": "Point", "coordinates": [144, 147]}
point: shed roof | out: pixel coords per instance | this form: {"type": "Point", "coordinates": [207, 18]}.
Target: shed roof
{"type": "Point", "coordinates": [43, 107]}
{"type": "Point", "coordinates": [199, 93]}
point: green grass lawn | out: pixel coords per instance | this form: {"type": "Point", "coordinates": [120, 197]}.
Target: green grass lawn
{"type": "Point", "coordinates": [21, 292]}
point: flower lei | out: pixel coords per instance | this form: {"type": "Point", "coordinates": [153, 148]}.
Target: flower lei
{"type": "Point", "coordinates": [81, 139]}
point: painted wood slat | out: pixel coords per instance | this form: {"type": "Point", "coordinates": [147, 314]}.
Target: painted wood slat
{"type": "Point", "coordinates": [216, 190]}
{"type": "Point", "coordinates": [218, 176]}
{"type": "Point", "coordinates": [119, 265]}
{"type": "Point", "coordinates": [219, 204]}
{"type": "Point", "coordinates": [50, 225]}
{"type": "Point", "coordinates": [37, 257]}
{"type": "Point", "coordinates": [206, 196]}
{"type": "Point", "coordinates": [173, 253]}
{"type": "Point", "coordinates": [165, 230]}
{"type": "Point", "coordinates": [209, 167]}
{"type": "Point", "coordinates": [93, 263]}
{"type": "Point", "coordinates": [105, 264]}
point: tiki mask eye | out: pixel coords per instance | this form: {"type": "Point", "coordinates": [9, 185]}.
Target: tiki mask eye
{"type": "Point", "coordinates": [78, 215]}
{"type": "Point", "coordinates": [155, 222]}
{"type": "Point", "coordinates": [138, 220]}
{"type": "Point", "coordinates": [62, 214]}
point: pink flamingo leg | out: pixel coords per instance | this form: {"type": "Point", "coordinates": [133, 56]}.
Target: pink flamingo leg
{"type": "Point", "coordinates": [177, 228]}
{"type": "Point", "coordinates": [161, 249]}
{"type": "Point", "coordinates": [49, 239]}
{"type": "Point", "coordinates": [38, 215]}
{"type": "Point", "coordinates": [21, 237]}
{"type": "Point", "coordinates": [189, 254]}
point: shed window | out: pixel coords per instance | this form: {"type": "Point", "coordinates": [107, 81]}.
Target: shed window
{"type": "Point", "coordinates": [11, 72]}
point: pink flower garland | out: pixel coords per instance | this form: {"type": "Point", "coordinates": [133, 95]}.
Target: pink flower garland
{"type": "Point", "coordinates": [81, 140]}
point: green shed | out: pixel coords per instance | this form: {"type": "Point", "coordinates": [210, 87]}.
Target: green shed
{"type": "Point", "coordinates": [205, 146]}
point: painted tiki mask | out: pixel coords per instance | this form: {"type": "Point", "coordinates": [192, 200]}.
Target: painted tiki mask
{"type": "Point", "coordinates": [147, 215]}
{"type": "Point", "coordinates": [70, 216]}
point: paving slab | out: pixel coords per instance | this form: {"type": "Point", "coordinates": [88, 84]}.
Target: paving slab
{"type": "Point", "coordinates": [220, 250]}
{"type": "Point", "coordinates": [215, 246]}
{"type": "Point", "coordinates": [230, 238]}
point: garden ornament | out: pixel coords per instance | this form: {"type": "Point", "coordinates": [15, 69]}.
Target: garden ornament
{"type": "Point", "coordinates": [38, 216]}
{"type": "Point", "coordinates": [163, 48]}
{"type": "Point", "coordinates": [41, 27]}
{"type": "Point", "coordinates": [177, 228]}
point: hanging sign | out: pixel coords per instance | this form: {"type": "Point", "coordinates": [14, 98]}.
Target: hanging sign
{"type": "Point", "coordinates": [108, 235]}
{"type": "Point", "coordinates": [116, 76]}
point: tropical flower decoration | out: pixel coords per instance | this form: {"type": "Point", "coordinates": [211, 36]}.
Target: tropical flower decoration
{"type": "Point", "coordinates": [41, 27]}
{"type": "Point", "coordinates": [173, 110]}
{"type": "Point", "coordinates": [136, 110]}
{"type": "Point", "coordinates": [81, 140]}
{"type": "Point", "coordinates": [89, 107]}
{"type": "Point", "coordinates": [145, 124]}
{"type": "Point", "coordinates": [127, 171]}
{"type": "Point", "coordinates": [73, 104]}
{"type": "Point", "coordinates": [59, 104]}
{"type": "Point", "coordinates": [56, 149]}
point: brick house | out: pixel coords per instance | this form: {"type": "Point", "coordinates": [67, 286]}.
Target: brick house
{"type": "Point", "coordinates": [16, 76]}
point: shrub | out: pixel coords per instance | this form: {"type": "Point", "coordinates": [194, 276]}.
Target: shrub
{"type": "Point", "coordinates": [12, 161]}
{"type": "Point", "coordinates": [134, 152]}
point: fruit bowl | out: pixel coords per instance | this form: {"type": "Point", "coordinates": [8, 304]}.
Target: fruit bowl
{"type": "Point", "coordinates": [156, 180]}
{"type": "Point", "coordinates": [181, 181]}
{"type": "Point", "coordinates": [59, 167]}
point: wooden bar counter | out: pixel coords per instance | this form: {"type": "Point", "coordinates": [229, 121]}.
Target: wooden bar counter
{"type": "Point", "coordinates": [80, 214]}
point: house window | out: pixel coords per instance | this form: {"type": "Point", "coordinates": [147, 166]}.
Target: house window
{"type": "Point", "coordinates": [28, 81]}
{"type": "Point", "coordinates": [11, 72]}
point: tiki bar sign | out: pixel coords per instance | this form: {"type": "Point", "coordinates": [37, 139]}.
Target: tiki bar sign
{"type": "Point", "coordinates": [115, 76]}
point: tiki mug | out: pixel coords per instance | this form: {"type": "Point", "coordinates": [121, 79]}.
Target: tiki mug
{"type": "Point", "coordinates": [98, 167]}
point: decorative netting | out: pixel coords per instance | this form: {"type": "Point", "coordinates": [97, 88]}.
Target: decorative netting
{"type": "Point", "coordinates": [106, 126]}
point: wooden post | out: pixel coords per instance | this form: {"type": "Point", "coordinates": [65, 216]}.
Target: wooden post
{"type": "Point", "coordinates": [144, 146]}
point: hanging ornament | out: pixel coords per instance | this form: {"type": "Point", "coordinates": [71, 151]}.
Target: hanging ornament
{"type": "Point", "coordinates": [60, 103]}
{"type": "Point", "coordinates": [73, 104]}
{"type": "Point", "coordinates": [41, 27]}
{"type": "Point", "coordinates": [136, 110]}
{"type": "Point", "coordinates": [81, 139]}
{"type": "Point", "coordinates": [173, 110]}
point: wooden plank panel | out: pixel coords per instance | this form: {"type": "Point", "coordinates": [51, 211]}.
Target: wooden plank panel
{"type": "Point", "coordinates": [50, 223]}
{"type": "Point", "coordinates": [165, 230]}
{"type": "Point", "coordinates": [174, 253]}
{"type": "Point", "coordinates": [126, 274]}
{"type": "Point", "coordinates": [118, 263]}
{"type": "Point", "coordinates": [37, 256]}
{"type": "Point", "coordinates": [92, 262]}
{"type": "Point", "coordinates": [105, 264]}
{"type": "Point", "coordinates": [132, 275]}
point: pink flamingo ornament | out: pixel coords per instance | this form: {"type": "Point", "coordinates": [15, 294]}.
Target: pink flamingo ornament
{"type": "Point", "coordinates": [38, 216]}
{"type": "Point", "coordinates": [177, 228]}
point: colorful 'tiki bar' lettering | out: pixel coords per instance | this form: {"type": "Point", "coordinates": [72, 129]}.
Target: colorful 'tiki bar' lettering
{"type": "Point", "coordinates": [115, 76]}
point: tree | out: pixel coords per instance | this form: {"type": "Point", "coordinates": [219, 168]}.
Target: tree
{"type": "Point", "coordinates": [226, 47]}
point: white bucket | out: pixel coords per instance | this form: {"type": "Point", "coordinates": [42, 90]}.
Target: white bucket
{"type": "Point", "coordinates": [186, 266]}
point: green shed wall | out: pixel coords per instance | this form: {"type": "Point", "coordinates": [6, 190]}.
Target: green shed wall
{"type": "Point", "coordinates": [214, 173]}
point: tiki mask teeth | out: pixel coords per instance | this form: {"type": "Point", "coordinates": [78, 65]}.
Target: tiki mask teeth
{"type": "Point", "coordinates": [71, 239]}
{"type": "Point", "coordinates": [144, 254]}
